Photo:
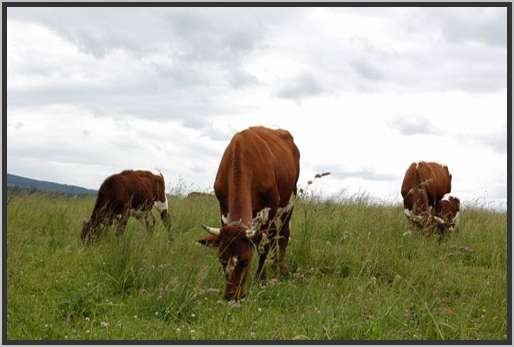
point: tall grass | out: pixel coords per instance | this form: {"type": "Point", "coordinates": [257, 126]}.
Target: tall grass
{"type": "Point", "coordinates": [356, 272]}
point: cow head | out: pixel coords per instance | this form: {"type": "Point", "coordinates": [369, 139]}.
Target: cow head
{"type": "Point", "coordinates": [235, 245]}
{"type": "Point", "coordinates": [87, 230]}
{"type": "Point", "coordinates": [235, 253]}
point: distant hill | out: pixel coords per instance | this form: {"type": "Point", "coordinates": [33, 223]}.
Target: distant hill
{"type": "Point", "coordinates": [14, 181]}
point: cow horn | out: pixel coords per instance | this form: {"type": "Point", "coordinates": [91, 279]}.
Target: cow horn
{"type": "Point", "coordinates": [211, 230]}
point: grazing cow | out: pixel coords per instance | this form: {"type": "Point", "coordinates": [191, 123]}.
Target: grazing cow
{"type": "Point", "coordinates": [256, 188]}
{"type": "Point", "coordinates": [448, 211]}
{"type": "Point", "coordinates": [128, 193]}
{"type": "Point", "coordinates": [424, 184]}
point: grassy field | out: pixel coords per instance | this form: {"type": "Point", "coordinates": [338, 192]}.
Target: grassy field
{"type": "Point", "coordinates": [357, 272]}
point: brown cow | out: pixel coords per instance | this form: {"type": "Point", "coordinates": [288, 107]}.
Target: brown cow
{"type": "Point", "coordinates": [128, 193]}
{"type": "Point", "coordinates": [424, 184]}
{"type": "Point", "coordinates": [448, 211]}
{"type": "Point", "coordinates": [255, 187]}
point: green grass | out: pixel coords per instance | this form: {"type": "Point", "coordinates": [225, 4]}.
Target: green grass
{"type": "Point", "coordinates": [357, 272]}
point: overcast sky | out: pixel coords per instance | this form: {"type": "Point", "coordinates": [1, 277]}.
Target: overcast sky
{"type": "Point", "coordinates": [364, 91]}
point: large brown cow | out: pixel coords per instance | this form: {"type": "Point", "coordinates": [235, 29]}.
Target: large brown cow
{"type": "Point", "coordinates": [128, 193]}
{"type": "Point", "coordinates": [256, 187]}
{"type": "Point", "coordinates": [424, 184]}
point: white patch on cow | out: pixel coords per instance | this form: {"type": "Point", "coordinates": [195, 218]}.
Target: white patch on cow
{"type": "Point", "coordinates": [224, 219]}
{"type": "Point", "coordinates": [262, 216]}
{"type": "Point", "coordinates": [412, 216]}
{"type": "Point", "coordinates": [417, 164]}
{"type": "Point", "coordinates": [439, 220]}
{"type": "Point", "coordinates": [156, 172]}
{"type": "Point", "coordinates": [161, 206]}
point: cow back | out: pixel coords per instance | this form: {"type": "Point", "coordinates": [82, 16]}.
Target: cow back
{"type": "Point", "coordinates": [438, 179]}
{"type": "Point", "coordinates": [259, 168]}
{"type": "Point", "coordinates": [130, 189]}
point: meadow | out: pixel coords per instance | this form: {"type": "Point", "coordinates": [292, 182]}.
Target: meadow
{"type": "Point", "coordinates": [357, 272]}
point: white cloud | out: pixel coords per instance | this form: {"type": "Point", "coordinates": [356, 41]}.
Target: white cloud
{"type": "Point", "coordinates": [364, 91]}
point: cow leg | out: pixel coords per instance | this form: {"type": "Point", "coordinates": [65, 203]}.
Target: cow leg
{"type": "Point", "coordinates": [260, 275]}
{"type": "Point", "coordinates": [283, 241]}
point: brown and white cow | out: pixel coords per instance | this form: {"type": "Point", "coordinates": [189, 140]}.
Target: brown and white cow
{"type": "Point", "coordinates": [424, 184]}
{"type": "Point", "coordinates": [448, 210]}
{"type": "Point", "coordinates": [256, 188]}
{"type": "Point", "coordinates": [128, 193]}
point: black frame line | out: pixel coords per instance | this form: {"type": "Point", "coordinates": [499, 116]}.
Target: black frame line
{"type": "Point", "coordinates": [508, 7]}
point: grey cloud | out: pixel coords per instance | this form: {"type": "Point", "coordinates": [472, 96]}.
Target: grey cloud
{"type": "Point", "coordinates": [367, 69]}
{"type": "Point", "coordinates": [340, 173]}
{"type": "Point", "coordinates": [364, 174]}
{"type": "Point", "coordinates": [440, 50]}
{"type": "Point", "coordinates": [301, 87]}
{"type": "Point", "coordinates": [216, 134]}
{"type": "Point", "coordinates": [183, 61]}
{"type": "Point", "coordinates": [413, 125]}
{"type": "Point", "coordinates": [495, 141]}
{"type": "Point", "coordinates": [239, 78]}
{"type": "Point", "coordinates": [487, 26]}
{"type": "Point", "coordinates": [194, 121]}
{"type": "Point", "coordinates": [98, 31]}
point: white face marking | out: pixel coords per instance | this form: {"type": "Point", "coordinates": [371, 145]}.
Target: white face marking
{"type": "Point", "coordinates": [161, 206]}
{"type": "Point", "coordinates": [224, 219]}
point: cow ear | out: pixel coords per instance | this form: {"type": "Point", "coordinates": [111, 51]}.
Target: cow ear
{"type": "Point", "coordinates": [210, 241]}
